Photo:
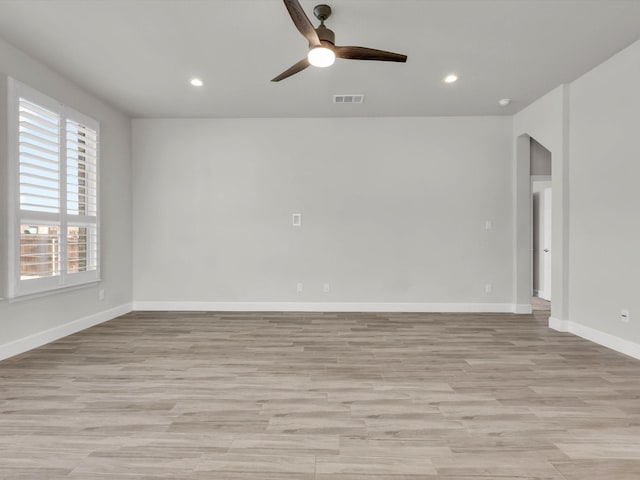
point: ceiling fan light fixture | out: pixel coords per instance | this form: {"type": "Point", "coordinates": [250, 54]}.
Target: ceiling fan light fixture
{"type": "Point", "coordinates": [321, 57]}
{"type": "Point", "coordinates": [322, 46]}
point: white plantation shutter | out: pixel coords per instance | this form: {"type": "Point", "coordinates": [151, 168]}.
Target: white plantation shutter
{"type": "Point", "coordinates": [82, 194]}
{"type": "Point", "coordinates": [39, 251]}
{"type": "Point", "coordinates": [82, 169]}
{"type": "Point", "coordinates": [39, 146]}
{"type": "Point", "coordinates": [82, 248]}
{"type": "Point", "coordinates": [55, 235]}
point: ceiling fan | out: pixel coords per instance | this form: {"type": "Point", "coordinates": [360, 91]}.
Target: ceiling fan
{"type": "Point", "coordinates": [322, 48]}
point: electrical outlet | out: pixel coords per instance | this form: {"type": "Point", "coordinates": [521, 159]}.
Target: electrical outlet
{"type": "Point", "coordinates": [101, 294]}
{"type": "Point", "coordinates": [488, 288]}
{"type": "Point", "coordinates": [298, 287]}
{"type": "Point", "coordinates": [296, 219]}
{"type": "Point", "coordinates": [488, 225]}
{"type": "Point", "coordinates": [326, 288]}
{"type": "Point", "coordinates": [624, 315]}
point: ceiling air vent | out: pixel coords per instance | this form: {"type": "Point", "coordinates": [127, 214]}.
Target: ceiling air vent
{"type": "Point", "coordinates": [348, 98]}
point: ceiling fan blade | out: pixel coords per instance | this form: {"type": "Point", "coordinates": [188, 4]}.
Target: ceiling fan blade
{"type": "Point", "coordinates": [298, 67]}
{"type": "Point", "coordinates": [363, 53]}
{"type": "Point", "coordinates": [302, 22]}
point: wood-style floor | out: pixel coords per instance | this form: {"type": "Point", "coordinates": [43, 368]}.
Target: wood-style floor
{"type": "Point", "coordinates": [320, 396]}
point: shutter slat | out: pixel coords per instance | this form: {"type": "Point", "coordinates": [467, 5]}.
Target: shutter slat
{"type": "Point", "coordinates": [76, 164]}
{"type": "Point", "coordinates": [34, 160]}
{"type": "Point", "coordinates": [34, 264]}
{"type": "Point", "coordinates": [38, 148]}
{"type": "Point", "coordinates": [37, 128]}
{"type": "Point", "coordinates": [75, 171]}
{"type": "Point", "coordinates": [29, 106]}
{"type": "Point", "coordinates": [35, 199]}
{"type": "Point", "coordinates": [88, 134]}
{"type": "Point", "coordinates": [49, 123]}
{"type": "Point", "coordinates": [88, 191]}
{"type": "Point", "coordinates": [40, 178]}
{"type": "Point", "coordinates": [89, 180]}
{"type": "Point", "coordinates": [73, 200]}
{"type": "Point", "coordinates": [37, 207]}
{"type": "Point", "coordinates": [39, 141]}
{"type": "Point", "coordinates": [38, 186]}
{"type": "Point", "coordinates": [28, 194]}
{"type": "Point", "coordinates": [47, 173]}
{"type": "Point", "coordinates": [81, 142]}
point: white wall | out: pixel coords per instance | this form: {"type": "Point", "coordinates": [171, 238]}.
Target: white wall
{"type": "Point", "coordinates": [547, 121]}
{"type": "Point", "coordinates": [393, 209]}
{"type": "Point", "coordinates": [591, 128]}
{"type": "Point", "coordinates": [605, 197]}
{"type": "Point", "coordinates": [27, 322]}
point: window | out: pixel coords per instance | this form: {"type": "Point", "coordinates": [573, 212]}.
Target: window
{"type": "Point", "coordinates": [54, 194]}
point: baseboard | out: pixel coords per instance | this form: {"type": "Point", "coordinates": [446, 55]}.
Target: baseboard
{"type": "Point", "coordinates": [618, 344]}
{"type": "Point", "coordinates": [559, 325]}
{"type": "Point", "coordinates": [523, 308]}
{"type": "Point", "coordinates": [330, 307]}
{"type": "Point", "coordinates": [604, 339]}
{"type": "Point", "coordinates": [41, 338]}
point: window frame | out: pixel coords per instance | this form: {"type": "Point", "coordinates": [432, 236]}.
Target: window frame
{"type": "Point", "coordinates": [18, 287]}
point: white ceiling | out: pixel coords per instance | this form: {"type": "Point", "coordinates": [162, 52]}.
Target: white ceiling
{"type": "Point", "coordinates": [139, 55]}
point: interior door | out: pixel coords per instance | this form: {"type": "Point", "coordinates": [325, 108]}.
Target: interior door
{"type": "Point", "coordinates": [545, 209]}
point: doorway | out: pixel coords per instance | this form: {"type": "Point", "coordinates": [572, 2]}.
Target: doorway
{"type": "Point", "coordinates": [541, 208]}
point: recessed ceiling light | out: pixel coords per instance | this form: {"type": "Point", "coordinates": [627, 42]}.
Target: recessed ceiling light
{"type": "Point", "coordinates": [451, 78]}
{"type": "Point", "coordinates": [504, 102]}
{"type": "Point", "coordinates": [196, 82]}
